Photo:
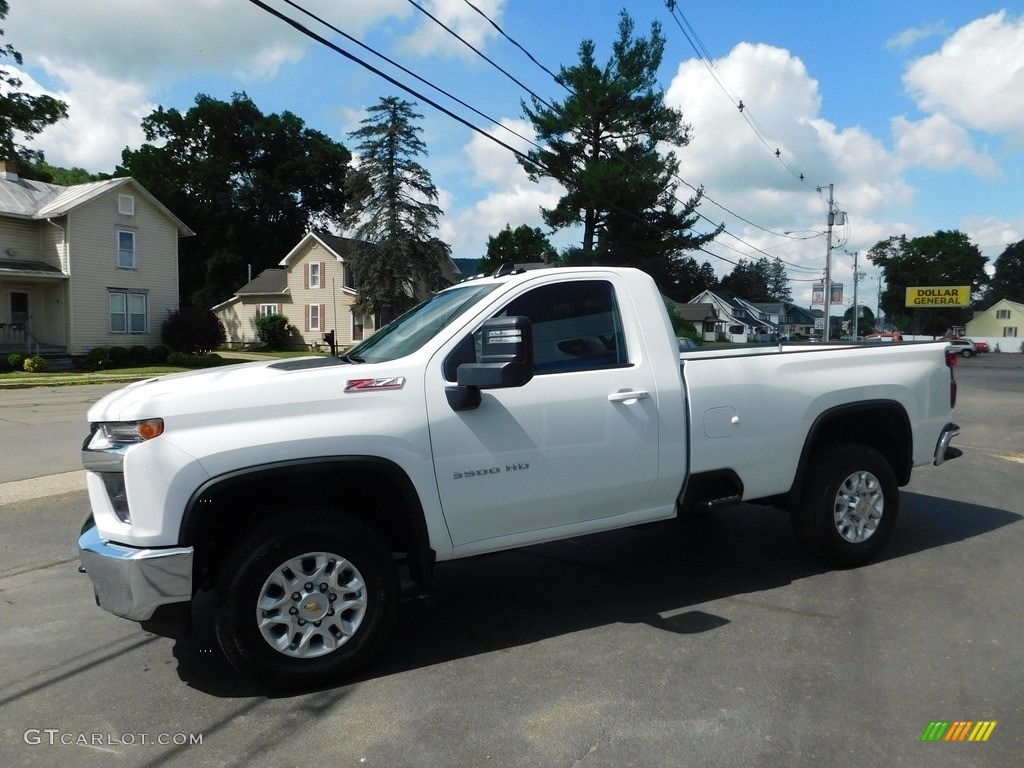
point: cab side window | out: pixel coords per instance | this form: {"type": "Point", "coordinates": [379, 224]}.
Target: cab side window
{"type": "Point", "coordinates": [576, 326]}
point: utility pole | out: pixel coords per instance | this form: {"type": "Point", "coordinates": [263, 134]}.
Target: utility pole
{"type": "Point", "coordinates": [827, 304]}
{"type": "Point", "coordinates": [856, 309]}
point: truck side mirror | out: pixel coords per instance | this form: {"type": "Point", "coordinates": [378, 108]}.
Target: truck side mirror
{"type": "Point", "coordinates": [506, 360]}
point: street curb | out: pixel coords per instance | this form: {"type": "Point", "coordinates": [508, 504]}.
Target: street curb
{"type": "Point", "coordinates": [41, 487]}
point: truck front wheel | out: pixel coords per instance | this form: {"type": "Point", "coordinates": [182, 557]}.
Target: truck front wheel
{"type": "Point", "coordinates": [306, 599]}
{"type": "Point", "coordinates": [848, 510]}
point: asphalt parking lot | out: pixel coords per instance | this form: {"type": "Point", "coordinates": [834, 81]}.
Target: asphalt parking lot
{"type": "Point", "coordinates": [708, 642]}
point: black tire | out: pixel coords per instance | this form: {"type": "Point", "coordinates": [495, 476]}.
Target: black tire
{"type": "Point", "coordinates": [965, 353]}
{"type": "Point", "coordinates": [849, 506]}
{"type": "Point", "coordinates": [300, 567]}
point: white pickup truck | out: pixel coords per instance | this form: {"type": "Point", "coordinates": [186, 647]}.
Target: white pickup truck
{"type": "Point", "coordinates": [504, 411]}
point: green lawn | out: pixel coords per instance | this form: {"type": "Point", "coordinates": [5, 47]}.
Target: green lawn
{"type": "Point", "coordinates": [18, 379]}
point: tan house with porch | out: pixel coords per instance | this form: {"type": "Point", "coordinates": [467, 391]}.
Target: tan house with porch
{"type": "Point", "coordinates": [84, 266]}
{"type": "Point", "coordinates": [313, 287]}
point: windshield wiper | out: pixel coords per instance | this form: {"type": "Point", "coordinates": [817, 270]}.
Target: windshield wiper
{"type": "Point", "coordinates": [351, 359]}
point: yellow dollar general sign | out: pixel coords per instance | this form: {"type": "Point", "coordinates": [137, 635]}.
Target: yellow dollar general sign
{"type": "Point", "coordinates": [958, 730]}
{"type": "Point", "coordinates": [939, 296]}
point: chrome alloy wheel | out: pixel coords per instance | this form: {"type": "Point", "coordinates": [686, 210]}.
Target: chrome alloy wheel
{"type": "Point", "coordinates": [859, 505]}
{"type": "Point", "coordinates": [311, 605]}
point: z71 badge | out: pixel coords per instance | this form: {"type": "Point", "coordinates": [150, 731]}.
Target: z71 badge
{"type": "Point", "coordinates": [489, 471]}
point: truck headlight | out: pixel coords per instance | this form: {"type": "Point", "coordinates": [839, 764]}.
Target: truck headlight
{"type": "Point", "coordinates": [112, 435]}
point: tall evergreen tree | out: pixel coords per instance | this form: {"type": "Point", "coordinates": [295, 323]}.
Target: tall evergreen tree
{"type": "Point", "coordinates": [394, 213]}
{"type": "Point", "coordinates": [602, 144]}
{"type": "Point", "coordinates": [22, 116]}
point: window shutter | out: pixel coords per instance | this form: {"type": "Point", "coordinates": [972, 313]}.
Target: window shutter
{"type": "Point", "coordinates": [323, 276]}
{"type": "Point", "coordinates": [307, 317]}
{"type": "Point", "coordinates": [323, 315]}
{"type": "Point", "coordinates": [305, 284]}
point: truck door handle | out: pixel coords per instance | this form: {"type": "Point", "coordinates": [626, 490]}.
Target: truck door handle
{"type": "Point", "coordinates": [628, 397]}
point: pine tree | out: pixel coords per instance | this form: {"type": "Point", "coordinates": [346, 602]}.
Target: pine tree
{"type": "Point", "coordinates": [393, 213]}
{"type": "Point", "coordinates": [602, 144]}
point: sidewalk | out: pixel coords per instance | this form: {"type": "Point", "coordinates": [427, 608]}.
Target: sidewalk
{"type": "Point", "coordinates": [42, 487]}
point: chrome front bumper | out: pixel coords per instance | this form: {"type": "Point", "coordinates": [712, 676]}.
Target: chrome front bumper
{"type": "Point", "coordinates": [133, 582]}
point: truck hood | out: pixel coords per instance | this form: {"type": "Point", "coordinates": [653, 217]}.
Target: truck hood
{"type": "Point", "coordinates": [238, 385]}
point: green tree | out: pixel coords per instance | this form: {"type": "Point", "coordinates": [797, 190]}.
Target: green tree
{"type": "Point", "coordinates": [946, 258]}
{"type": "Point", "coordinates": [778, 281]}
{"type": "Point", "coordinates": [65, 177]}
{"type": "Point", "coordinates": [250, 185]}
{"type": "Point", "coordinates": [1008, 280]}
{"type": "Point", "coordinates": [757, 280]}
{"type": "Point", "coordinates": [865, 323]}
{"type": "Point", "coordinates": [22, 116]}
{"type": "Point", "coordinates": [393, 213]}
{"type": "Point", "coordinates": [603, 145]}
{"type": "Point", "coordinates": [522, 245]}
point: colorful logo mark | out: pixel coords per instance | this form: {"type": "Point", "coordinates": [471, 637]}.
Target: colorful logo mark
{"type": "Point", "coordinates": [959, 730]}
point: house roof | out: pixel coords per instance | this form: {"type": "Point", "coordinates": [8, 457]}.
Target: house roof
{"type": "Point", "coordinates": [23, 267]}
{"type": "Point", "coordinates": [339, 246]}
{"type": "Point", "coordinates": [696, 313]}
{"type": "Point", "coordinates": [38, 200]}
{"type": "Point", "coordinates": [273, 281]}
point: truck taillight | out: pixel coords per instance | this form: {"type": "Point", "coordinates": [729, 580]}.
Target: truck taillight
{"type": "Point", "coordinates": [951, 364]}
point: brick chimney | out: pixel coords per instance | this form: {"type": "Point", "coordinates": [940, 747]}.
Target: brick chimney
{"type": "Point", "coordinates": [8, 170]}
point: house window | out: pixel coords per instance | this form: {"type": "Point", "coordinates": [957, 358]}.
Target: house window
{"type": "Point", "coordinates": [314, 317]}
{"type": "Point", "coordinates": [357, 326]}
{"type": "Point", "coordinates": [314, 275]}
{"type": "Point", "coordinates": [350, 278]}
{"type": "Point", "coordinates": [267, 309]}
{"type": "Point", "coordinates": [127, 312]}
{"type": "Point", "coordinates": [1010, 330]}
{"type": "Point", "coordinates": [126, 205]}
{"type": "Point", "coordinates": [1002, 314]}
{"type": "Point", "coordinates": [126, 250]}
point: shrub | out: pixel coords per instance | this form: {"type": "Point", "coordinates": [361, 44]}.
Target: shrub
{"type": "Point", "coordinates": [119, 357]}
{"type": "Point", "coordinates": [189, 360]}
{"type": "Point", "coordinates": [97, 359]}
{"type": "Point", "coordinates": [139, 354]}
{"type": "Point", "coordinates": [273, 330]}
{"type": "Point", "coordinates": [158, 354]}
{"type": "Point", "coordinates": [15, 360]}
{"type": "Point", "coordinates": [192, 329]}
{"type": "Point", "coordinates": [34, 364]}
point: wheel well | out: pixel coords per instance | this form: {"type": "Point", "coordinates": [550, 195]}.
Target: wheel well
{"type": "Point", "coordinates": [881, 425]}
{"type": "Point", "coordinates": [376, 491]}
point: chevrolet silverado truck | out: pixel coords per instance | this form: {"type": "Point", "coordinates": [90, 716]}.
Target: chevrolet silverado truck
{"type": "Point", "coordinates": [525, 407]}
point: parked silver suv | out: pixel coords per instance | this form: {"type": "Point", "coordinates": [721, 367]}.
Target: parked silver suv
{"type": "Point", "coordinates": [964, 347]}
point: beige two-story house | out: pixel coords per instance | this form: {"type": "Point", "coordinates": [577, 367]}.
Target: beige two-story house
{"type": "Point", "coordinates": [314, 287]}
{"type": "Point", "coordinates": [91, 265]}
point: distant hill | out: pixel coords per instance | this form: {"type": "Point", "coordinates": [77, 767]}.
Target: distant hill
{"type": "Point", "coordinates": [467, 266]}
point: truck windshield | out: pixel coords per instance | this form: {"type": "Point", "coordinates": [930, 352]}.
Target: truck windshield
{"type": "Point", "coordinates": [410, 331]}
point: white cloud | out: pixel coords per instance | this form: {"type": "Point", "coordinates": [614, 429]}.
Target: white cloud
{"type": "Point", "coordinates": [104, 116]}
{"type": "Point", "coordinates": [148, 41]}
{"type": "Point", "coordinates": [430, 38]}
{"type": "Point", "coordinates": [977, 76]}
{"type": "Point", "coordinates": [938, 143]}
{"type": "Point", "coordinates": [910, 37]}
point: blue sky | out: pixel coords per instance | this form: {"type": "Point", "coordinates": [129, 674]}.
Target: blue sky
{"type": "Point", "coordinates": [913, 110]}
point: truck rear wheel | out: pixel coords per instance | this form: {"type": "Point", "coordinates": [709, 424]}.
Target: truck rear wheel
{"type": "Point", "coordinates": [848, 510]}
{"type": "Point", "coordinates": [306, 599]}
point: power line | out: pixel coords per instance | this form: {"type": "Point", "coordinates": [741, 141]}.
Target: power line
{"type": "Point", "coordinates": [704, 56]}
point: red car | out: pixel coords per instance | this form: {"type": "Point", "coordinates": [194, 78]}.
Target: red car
{"type": "Point", "coordinates": [981, 346]}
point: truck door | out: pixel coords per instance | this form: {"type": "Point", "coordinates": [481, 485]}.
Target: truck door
{"type": "Point", "coordinates": [578, 443]}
